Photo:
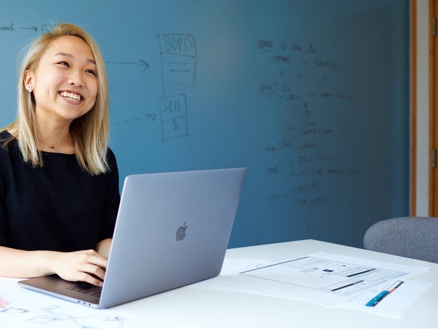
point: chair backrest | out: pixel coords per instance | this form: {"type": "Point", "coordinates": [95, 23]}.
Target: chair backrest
{"type": "Point", "coordinates": [413, 237]}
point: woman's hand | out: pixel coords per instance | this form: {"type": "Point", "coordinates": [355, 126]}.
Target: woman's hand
{"type": "Point", "coordinates": [85, 265]}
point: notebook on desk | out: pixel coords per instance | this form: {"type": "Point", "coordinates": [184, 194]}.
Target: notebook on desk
{"type": "Point", "coordinates": [172, 230]}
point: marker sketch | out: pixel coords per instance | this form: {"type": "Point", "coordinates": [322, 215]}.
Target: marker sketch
{"type": "Point", "coordinates": [141, 62]}
{"type": "Point", "coordinates": [173, 114]}
{"type": "Point", "coordinates": [11, 27]}
{"type": "Point", "coordinates": [304, 141]}
{"type": "Point", "coordinates": [178, 71]}
{"type": "Point", "coordinates": [178, 61]}
{"type": "Point", "coordinates": [54, 316]}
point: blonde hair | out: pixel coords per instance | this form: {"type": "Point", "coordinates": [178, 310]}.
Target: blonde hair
{"type": "Point", "coordinates": [90, 132]}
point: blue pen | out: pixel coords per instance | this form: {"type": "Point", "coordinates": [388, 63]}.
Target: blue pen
{"type": "Point", "coordinates": [374, 301]}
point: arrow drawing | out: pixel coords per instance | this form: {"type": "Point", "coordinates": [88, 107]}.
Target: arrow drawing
{"type": "Point", "coordinates": [11, 27]}
{"type": "Point", "coordinates": [141, 63]}
{"type": "Point", "coordinates": [34, 28]}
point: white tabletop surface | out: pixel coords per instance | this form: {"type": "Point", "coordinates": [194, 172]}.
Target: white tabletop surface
{"type": "Point", "coordinates": [193, 307]}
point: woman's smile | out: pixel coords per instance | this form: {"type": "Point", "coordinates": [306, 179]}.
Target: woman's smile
{"type": "Point", "coordinates": [71, 96]}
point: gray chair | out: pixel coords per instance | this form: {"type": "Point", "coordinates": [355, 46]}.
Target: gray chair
{"type": "Point", "coordinates": [412, 237]}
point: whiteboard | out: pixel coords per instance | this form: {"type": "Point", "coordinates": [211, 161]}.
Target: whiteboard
{"type": "Point", "coordinates": [312, 97]}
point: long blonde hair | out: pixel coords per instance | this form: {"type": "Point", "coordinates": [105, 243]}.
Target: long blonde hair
{"type": "Point", "coordinates": [90, 132]}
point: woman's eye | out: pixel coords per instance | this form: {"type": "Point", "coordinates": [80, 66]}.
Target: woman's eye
{"type": "Point", "coordinates": [91, 72]}
{"type": "Point", "coordinates": [64, 64]}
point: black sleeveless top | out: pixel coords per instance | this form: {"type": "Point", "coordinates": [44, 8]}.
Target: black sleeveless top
{"type": "Point", "coordinates": [55, 207]}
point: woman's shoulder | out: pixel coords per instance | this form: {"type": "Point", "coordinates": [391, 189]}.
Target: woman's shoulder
{"type": "Point", "coordinates": [5, 137]}
{"type": "Point", "coordinates": [111, 159]}
{"type": "Point", "coordinates": [7, 149]}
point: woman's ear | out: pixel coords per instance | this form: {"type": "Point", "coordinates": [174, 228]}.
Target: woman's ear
{"type": "Point", "coordinates": [28, 80]}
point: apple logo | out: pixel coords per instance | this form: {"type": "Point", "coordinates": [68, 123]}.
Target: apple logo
{"type": "Point", "coordinates": [181, 232]}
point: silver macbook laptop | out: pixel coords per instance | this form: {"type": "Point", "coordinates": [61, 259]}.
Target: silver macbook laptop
{"type": "Point", "coordinates": [172, 230]}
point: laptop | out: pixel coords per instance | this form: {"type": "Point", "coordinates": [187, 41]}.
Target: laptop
{"type": "Point", "coordinates": [172, 230]}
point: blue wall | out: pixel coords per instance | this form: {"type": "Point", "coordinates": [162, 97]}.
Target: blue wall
{"type": "Point", "coordinates": [311, 96]}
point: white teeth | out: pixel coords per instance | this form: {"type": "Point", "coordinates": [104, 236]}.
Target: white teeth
{"type": "Point", "coordinates": [72, 96]}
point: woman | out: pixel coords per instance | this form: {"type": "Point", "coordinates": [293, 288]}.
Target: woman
{"type": "Point", "coordinates": [59, 192]}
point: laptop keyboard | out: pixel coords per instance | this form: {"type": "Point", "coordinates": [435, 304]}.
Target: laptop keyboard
{"type": "Point", "coordinates": [86, 288]}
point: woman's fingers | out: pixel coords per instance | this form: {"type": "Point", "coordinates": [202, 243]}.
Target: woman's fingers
{"type": "Point", "coordinates": [87, 266]}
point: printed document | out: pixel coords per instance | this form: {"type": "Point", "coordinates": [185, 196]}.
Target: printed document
{"type": "Point", "coordinates": [327, 279]}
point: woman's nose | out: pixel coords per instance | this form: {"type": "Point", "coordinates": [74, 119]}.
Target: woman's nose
{"type": "Point", "coordinates": [76, 79]}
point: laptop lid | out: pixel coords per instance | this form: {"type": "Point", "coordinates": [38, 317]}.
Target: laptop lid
{"type": "Point", "coordinates": [172, 230]}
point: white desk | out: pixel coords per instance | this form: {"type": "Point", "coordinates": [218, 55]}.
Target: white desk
{"type": "Point", "coordinates": [188, 306]}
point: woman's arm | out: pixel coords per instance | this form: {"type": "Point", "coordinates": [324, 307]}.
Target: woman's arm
{"type": "Point", "coordinates": [104, 247]}
{"type": "Point", "coordinates": [86, 265]}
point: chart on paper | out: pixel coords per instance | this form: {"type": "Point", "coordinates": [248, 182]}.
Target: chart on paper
{"type": "Point", "coordinates": [326, 275]}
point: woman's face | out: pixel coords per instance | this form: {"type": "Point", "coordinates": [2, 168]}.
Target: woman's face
{"type": "Point", "coordinates": [65, 82]}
